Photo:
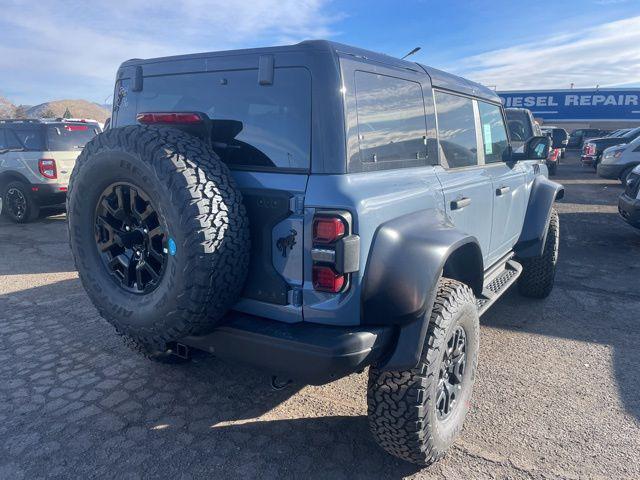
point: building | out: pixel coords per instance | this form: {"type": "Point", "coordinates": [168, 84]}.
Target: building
{"type": "Point", "coordinates": [606, 108]}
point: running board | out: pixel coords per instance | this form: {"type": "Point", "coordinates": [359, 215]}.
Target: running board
{"type": "Point", "coordinates": [497, 283]}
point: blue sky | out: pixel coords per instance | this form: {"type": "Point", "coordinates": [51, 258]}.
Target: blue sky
{"type": "Point", "coordinates": [71, 49]}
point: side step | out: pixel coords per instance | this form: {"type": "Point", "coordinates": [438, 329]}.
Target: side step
{"type": "Point", "coordinates": [496, 283]}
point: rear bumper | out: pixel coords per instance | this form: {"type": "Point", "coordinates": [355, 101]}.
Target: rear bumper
{"type": "Point", "coordinates": [629, 209]}
{"type": "Point", "coordinates": [305, 352]}
{"type": "Point", "coordinates": [610, 171]}
{"type": "Point", "coordinates": [47, 194]}
{"type": "Point", "coordinates": [588, 159]}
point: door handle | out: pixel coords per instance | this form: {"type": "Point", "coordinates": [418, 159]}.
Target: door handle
{"type": "Point", "coordinates": [502, 190]}
{"type": "Point", "coordinates": [460, 203]}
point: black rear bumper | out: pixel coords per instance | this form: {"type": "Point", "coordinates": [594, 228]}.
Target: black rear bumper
{"type": "Point", "coordinates": [305, 352]}
{"type": "Point", "coordinates": [49, 194]}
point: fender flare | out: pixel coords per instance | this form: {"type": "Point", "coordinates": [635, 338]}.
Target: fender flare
{"type": "Point", "coordinates": [10, 176]}
{"type": "Point", "coordinates": [405, 262]}
{"type": "Point", "coordinates": [544, 193]}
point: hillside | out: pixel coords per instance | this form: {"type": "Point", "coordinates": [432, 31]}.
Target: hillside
{"type": "Point", "coordinates": [78, 109]}
{"type": "Point", "coordinates": [7, 108]}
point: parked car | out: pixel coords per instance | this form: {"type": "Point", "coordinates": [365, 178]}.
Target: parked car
{"type": "Point", "coordinates": [558, 135]}
{"type": "Point", "coordinates": [618, 161]}
{"type": "Point", "coordinates": [522, 126]}
{"type": "Point", "coordinates": [207, 216]}
{"type": "Point", "coordinates": [577, 137]}
{"type": "Point", "coordinates": [629, 201]}
{"type": "Point", "coordinates": [592, 150]}
{"type": "Point", "coordinates": [36, 159]}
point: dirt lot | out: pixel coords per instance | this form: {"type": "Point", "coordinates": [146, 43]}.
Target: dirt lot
{"type": "Point", "coordinates": [557, 392]}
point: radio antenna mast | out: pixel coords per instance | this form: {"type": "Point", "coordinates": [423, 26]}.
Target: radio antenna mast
{"type": "Point", "coordinates": [411, 52]}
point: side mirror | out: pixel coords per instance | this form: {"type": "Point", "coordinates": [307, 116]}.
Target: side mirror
{"type": "Point", "coordinates": [536, 148]}
{"type": "Point", "coordinates": [559, 138]}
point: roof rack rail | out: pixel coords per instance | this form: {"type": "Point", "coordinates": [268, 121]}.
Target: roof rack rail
{"type": "Point", "coordinates": [20, 120]}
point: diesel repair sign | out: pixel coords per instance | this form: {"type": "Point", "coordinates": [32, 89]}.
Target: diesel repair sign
{"type": "Point", "coordinates": [577, 104]}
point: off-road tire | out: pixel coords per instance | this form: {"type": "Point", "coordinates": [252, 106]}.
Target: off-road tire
{"type": "Point", "coordinates": [538, 274]}
{"type": "Point", "coordinates": [196, 197]}
{"type": "Point", "coordinates": [32, 209]}
{"type": "Point", "coordinates": [402, 404]}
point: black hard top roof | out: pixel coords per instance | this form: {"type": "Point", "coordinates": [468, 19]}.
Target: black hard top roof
{"type": "Point", "coordinates": [439, 79]}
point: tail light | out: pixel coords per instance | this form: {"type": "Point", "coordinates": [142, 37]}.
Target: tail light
{"type": "Point", "coordinates": [47, 168]}
{"type": "Point", "coordinates": [553, 154]}
{"type": "Point", "coordinates": [328, 229]}
{"type": "Point", "coordinates": [335, 252]}
{"type": "Point", "coordinates": [326, 279]}
{"type": "Point", "coordinates": [148, 118]}
{"type": "Point", "coordinates": [589, 149]}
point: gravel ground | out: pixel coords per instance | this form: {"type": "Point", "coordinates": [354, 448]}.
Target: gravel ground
{"type": "Point", "coordinates": [557, 392]}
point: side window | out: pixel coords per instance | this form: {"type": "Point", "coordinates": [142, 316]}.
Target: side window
{"type": "Point", "coordinates": [456, 130]}
{"type": "Point", "coordinates": [494, 133]}
{"type": "Point", "coordinates": [391, 119]}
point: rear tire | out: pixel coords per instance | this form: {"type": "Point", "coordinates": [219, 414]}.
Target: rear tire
{"type": "Point", "coordinates": [18, 203]}
{"type": "Point", "coordinates": [538, 274]}
{"type": "Point", "coordinates": [405, 408]}
{"type": "Point", "coordinates": [553, 168]}
{"type": "Point", "coordinates": [159, 234]}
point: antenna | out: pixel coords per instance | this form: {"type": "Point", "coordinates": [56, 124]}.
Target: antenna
{"type": "Point", "coordinates": [411, 52]}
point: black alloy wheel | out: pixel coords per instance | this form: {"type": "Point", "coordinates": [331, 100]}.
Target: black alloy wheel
{"type": "Point", "coordinates": [131, 239]}
{"type": "Point", "coordinates": [451, 375]}
{"type": "Point", "coordinates": [16, 203]}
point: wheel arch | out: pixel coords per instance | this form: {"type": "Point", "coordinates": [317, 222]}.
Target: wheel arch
{"type": "Point", "coordinates": [11, 176]}
{"type": "Point", "coordinates": [544, 193]}
{"type": "Point", "coordinates": [407, 257]}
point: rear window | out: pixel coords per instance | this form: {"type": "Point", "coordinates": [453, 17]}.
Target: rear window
{"type": "Point", "coordinates": [64, 137]}
{"type": "Point", "coordinates": [254, 126]}
{"type": "Point", "coordinates": [29, 139]}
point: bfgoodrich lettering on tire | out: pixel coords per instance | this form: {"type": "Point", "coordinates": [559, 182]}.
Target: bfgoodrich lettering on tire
{"type": "Point", "coordinates": [158, 232]}
{"type": "Point", "coordinates": [417, 414]}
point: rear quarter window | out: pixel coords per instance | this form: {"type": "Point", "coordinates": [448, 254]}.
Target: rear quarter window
{"type": "Point", "coordinates": [254, 126]}
{"type": "Point", "coordinates": [392, 128]}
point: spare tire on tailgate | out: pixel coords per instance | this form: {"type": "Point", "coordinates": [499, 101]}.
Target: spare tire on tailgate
{"type": "Point", "coordinates": [159, 233]}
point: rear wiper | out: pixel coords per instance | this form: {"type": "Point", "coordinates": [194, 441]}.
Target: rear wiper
{"type": "Point", "coordinates": [6, 150]}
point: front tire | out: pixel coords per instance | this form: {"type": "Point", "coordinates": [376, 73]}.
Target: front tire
{"type": "Point", "coordinates": [18, 203]}
{"type": "Point", "coordinates": [538, 274]}
{"type": "Point", "coordinates": [417, 414]}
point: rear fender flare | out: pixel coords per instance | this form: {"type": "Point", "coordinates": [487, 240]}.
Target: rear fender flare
{"type": "Point", "coordinates": [544, 193]}
{"type": "Point", "coordinates": [405, 262]}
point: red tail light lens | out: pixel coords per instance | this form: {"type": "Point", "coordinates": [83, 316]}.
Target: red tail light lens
{"type": "Point", "coordinates": [168, 117]}
{"type": "Point", "coordinates": [75, 128]}
{"type": "Point", "coordinates": [328, 230]}
{"type": "Point", "coordinates": [553, 154]}
{"type": "Point", "coordinates": [47, 168]}
{"type": "Point", "coordinates": [325, 279]}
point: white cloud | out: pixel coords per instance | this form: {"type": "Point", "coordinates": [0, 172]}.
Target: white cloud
{"type": "Point", "coordinates": [607, 54]}
{"type": "Point", "coordinates": [73, 48]}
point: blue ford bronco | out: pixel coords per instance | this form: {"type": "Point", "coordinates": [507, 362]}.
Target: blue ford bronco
{"type": "Point", "coordinates": [314, 210]}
